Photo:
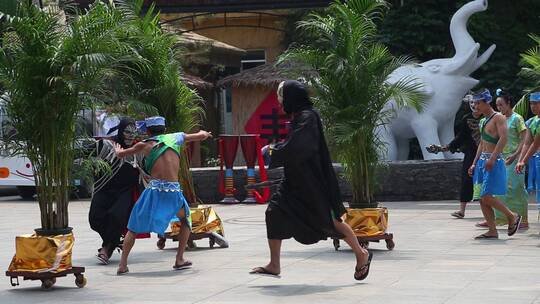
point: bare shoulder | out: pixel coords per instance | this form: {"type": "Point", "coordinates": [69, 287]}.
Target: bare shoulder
{"type": "Point", "coordinates": [499, 118]}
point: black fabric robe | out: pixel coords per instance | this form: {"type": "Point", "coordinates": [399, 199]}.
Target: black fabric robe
{"type": "Point", "coordinates": [112, 203]}
{"type": "Point", "coordinates": [308, 198]}
{"type": "Point", "coordinates": [466, 141]}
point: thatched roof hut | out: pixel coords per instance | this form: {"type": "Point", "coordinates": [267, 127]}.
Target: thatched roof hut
{"type": "Point", "coordinates": [267, 75]}
{"type": "Point", "coordinates": [193, 40]}
{"type": "Point", "coordinates": [196, 82]}
{"type": "Point", "coordinates": [255, 108]}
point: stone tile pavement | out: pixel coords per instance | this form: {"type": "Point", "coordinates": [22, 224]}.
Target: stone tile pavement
{"type": "Point", "coordinates": [435, 261]}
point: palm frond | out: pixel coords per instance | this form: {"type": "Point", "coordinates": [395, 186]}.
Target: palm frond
{"type": "Point", "coordinates": [522, 106]}
{"type": "Point", "coordinates": [531, 64]}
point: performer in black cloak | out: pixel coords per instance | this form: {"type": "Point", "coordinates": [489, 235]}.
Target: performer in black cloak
{"type": "Point", "coordinates": [307, 205]}
{"type": "Point", "coordinates": [466, 141]}
{"type": "Point", "coordinates": [115, 193]}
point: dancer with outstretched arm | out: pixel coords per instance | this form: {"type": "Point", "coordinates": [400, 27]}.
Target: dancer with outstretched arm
{"type": "Point", "coordinates": [162, 199]}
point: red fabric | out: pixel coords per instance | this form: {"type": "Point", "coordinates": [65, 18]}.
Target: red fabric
{"type": "Point", "coordinates": [221, 183]}
{"type": "Point", "coordinates": [249, 149]}
{"type": "Point", "coordinates": [230, 146]}
{"type": "Point", "coordinates": [261, 123]}
{"type": "Point", "coordinates": [223, 157]}
{"type": "Point", "coordinates": [261, 199]}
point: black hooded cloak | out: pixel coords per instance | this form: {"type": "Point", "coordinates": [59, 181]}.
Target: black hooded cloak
{"type": "Point", "coordinates": [308, 199]}
{"type": "Point", "coordinates": [114, 195]}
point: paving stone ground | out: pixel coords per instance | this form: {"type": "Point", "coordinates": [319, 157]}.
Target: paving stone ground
{"type": "Point", "coordinates": [435, 260]}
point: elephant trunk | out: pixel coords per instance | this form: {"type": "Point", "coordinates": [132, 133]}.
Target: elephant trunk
{"type": "Point", "coordinates": [463, 42]}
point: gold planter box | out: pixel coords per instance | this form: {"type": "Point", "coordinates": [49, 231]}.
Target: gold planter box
{"type": "Point", "coordinates": [42, 253]}
{"type": "Point", "coordinates": [367, 222]}
{"type": "Point", "coordinates": [203, 219]}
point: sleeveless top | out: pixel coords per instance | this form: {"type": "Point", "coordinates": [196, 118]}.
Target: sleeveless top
{"type": "Point", "coordinates": [164, 142]}
{"type": "Point", "coordinates": [483, 134]}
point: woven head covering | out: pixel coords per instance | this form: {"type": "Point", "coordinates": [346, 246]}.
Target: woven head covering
{"type": "Point", "coordinates": [483, 96]}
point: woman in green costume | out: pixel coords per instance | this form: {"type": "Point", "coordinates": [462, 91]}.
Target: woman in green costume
{"type": "Point", "coordinates": [516, 198]}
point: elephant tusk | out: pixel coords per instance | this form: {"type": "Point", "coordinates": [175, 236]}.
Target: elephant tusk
{"type": "Point", "coordinates": [484, 57]}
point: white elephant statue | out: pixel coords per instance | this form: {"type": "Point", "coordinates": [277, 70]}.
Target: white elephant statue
{"type": "Point", "coordinates": [445, 82]}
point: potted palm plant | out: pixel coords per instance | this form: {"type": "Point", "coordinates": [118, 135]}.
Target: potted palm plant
{"type": "Point", "coordinates": [50, 68]}
{"type": "Point", "coordinates": [350, 87]}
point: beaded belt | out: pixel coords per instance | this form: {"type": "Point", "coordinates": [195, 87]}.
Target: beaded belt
{"type": "Point", "coordinates": [487, 155]}
{"type": "Point", "coordinates": [164, 186]}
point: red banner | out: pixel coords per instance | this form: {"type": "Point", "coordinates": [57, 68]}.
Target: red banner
{"type": "Point", "coordinates": [268, 120]}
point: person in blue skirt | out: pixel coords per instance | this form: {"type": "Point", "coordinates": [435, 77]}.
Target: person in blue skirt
{"type": "Point", "coordinates": [162, 200]}
{"type": "Point", "coordinates": [489, 167]}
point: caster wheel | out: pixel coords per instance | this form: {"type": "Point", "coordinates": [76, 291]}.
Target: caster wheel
{"type": "Point", "coordinates": [390, 244]}
{"type": "Point", "coordinates": [211, 242]}
{"type": "Point", "coordinates": [160, 244]}
{"type": "Point", "coordinates": [191, 245]}
{"type": "Point", "coordinates": [336, 244]}
{"type": "Point", "coordinates": [80, 281]}
{"type": "Point", "coordinates": [47, 283]}
{"type": "Point", "coordinates": [364, 245]}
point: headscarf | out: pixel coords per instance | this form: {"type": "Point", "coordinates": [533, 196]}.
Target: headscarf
{"type": "Point", "coordinates": [483, 96]}
{"type": "Point", "coordinates": [535, 97]}
{"type": "Point", "coordinates": [295, 97]}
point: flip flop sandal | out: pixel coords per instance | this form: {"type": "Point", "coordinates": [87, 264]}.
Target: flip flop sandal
{"type": "Point", "coordinates": [364, 270]}
{"type": "Point", "coordinates": [103, 259]}
{"type": "Point", "coordinates": [185, 265]}
{"type": "Point", "coordinates": [514, 228]}
{"type": "Point", "coordinates": [119, 273]}
{"type": "Point", "coordinates": [486, 237]}
{"type": "Point", "coordinates": [458, 214]}
{"type": "Point", "coordinates": [264, 272]}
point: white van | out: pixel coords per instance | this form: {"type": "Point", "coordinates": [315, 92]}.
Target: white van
{"type": "Point", "coordinates": [17, 170]}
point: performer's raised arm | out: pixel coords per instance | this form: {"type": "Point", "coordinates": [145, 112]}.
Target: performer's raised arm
{"type": "Point", "coordinates": [135, 149]}
{"type": "Point", "coordinates": [199, 136]}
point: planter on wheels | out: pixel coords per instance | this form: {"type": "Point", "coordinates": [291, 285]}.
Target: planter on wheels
{"type": "Point", "coordinates": [44, 255]}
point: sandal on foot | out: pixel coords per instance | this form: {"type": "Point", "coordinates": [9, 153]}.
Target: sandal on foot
{"type": "Point", "coordinates": [458, 214]}
{"type": "Point", "coordinates": [103, 259]}
{"type": "Point", "coordinates": [264, 271]}
{"type": "Point", "coordinates": [122, 272]}
{"type": "Point", "coordinates": [485, 236]}
{"type": "Point", "coordinates": [362, 272]}
{"type": "Point", "coordinates": [185, 265]}
{"type": "Point", "coordinates": [512, 229]}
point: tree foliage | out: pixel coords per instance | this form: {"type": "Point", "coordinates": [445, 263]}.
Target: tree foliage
{"type": "Point", "coordinates": [350, 85]}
